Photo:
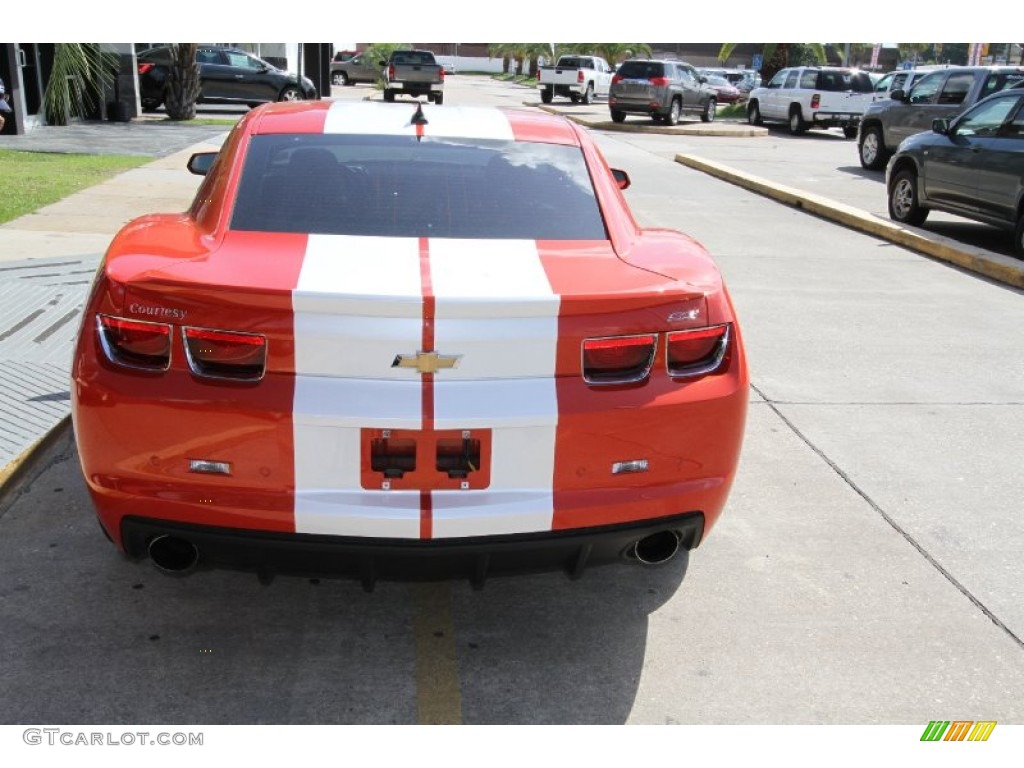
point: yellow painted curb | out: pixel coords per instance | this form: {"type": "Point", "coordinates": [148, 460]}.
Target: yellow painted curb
{"type": "Point", "coordinates": [14, 470]}
{"type": "Point", "coordinates": [994, 265]}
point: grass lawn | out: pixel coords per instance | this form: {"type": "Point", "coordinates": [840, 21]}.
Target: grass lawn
{"type": "Point", "coordinates": [35, 179]}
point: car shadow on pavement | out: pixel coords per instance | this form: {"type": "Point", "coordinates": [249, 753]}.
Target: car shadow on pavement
{"type": "Point", "coordinates": [89, 637]}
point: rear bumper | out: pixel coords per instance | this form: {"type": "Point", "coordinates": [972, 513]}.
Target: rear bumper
{"type": "Point", "coordinates": [836, 119]}
{"type": "Point", "coordinates": [373, 559]}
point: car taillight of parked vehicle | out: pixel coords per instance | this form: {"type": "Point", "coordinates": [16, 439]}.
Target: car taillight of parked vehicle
{"type": "Point", "coordinates": [442, 74]}
{"type": "Point", "coordinates": [815, 101]}
{"type": "Point", "coordinates": [391, 72]}
{"type": "Point", "coordinates": [616, 79]}
{"type": "Point", "coordinates": [579, 76]}
{"type": "Point", "coordinates": [144, 67]}
{"type": "Point", "coordinates": [134, 343]}
{"type": "Point", "coordinates": [658, 81]}
{"type": "Point", "coordinates": [696, 352]}
{"type": "Point", "coordinates": [225, 354]}
{"type": "Point", "coordinates": [618, 359]}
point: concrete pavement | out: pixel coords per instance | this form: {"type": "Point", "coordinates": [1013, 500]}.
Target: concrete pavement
{"type": "Point", "coordinates": [47, 258]}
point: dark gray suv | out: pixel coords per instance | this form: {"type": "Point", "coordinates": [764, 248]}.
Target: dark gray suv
{"type": "Point", "coordinates": [662, 89]}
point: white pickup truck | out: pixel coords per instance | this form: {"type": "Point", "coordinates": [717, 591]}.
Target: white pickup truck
{"type": "Point", "coordinates": [578, 78]}
{"type": "Point", "coordinates": [812, 97]}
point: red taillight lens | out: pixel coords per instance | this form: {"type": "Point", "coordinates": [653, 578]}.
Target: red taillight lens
{"type": "Point", "coordinates": [695, 353]}
{"type": "Point", "coordinates": [391, 72]}
{"type": "Point", "coordinates": [815, 101]}
{"type": "Point", "coordinates": [225, 354]}
{"type": "Point", "coordinates": [135, 344]}
{"type": "Point", "coordinates": [144, 67]}
{"type": "Point", "coordinates": [658, 81]}
{"type": "Point", "coordinates": [616, 79]}
{"type": "Point", "coordinates": [442, 74]}
{"type": "Point", "coordinates": [579, 76]}
{"type": "Point", "coordinates": [618, 360]}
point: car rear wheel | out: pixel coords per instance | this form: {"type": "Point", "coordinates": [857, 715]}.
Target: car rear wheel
{"type": "Point", "coordinates": [339, 78]}
{"type": "Point", "coordinates": [709, 111]}
{"type": "Point", "coordinates": [618, 116]}
{"type": "Point", "coordinates": [439, 98]}
{"type": "Point", "coordinates": [290, 93]}
{"type": "Point", "coordinates": [903, 202]}
{"type": "Point", "coordinates": [546, 95]}
{"type": "Point", "coordinates": [873, 155]}
{"type": "Point", "coordinates": [389, 95]}
{"type": "Point", "coordinates": [151, 105]}
{"type": "Point", "coordinates": [673, 113]}
{"type": "Point", "coordinates": [1018, 237]}
{"type": "Point", "coordinates": [796, 122]}
{"type": "Point", "coordinates": [754, 114]}
{"type": "Point", "coordinates": [588, 95]}
{"type": "Point", "coordinates": [850, 131]}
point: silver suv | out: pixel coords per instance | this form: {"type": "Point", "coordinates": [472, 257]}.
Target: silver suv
{"type": "Point", "coordinates": [662, 89]}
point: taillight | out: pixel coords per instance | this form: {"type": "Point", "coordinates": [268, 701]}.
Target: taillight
{"type": "Point", "coordinates": [225, 354]}
{"type": "Point", "coordinates": [815, 101]}
{"type": "Point", "coordinates": [391, 72]}
{"type": "Point", "coordinates": [616, 79]}
{"type": "Point", "coordinates": [442, 74]}
{"type": "Point", "coordinates": [618, 359]}
{"type": "Point", "coordinates": [658, 81]}
{"type": "Point", "coordinates": [134, 343]}
{"type": "Point", "coordinates": [695, 353]}
{"type": "Point", "coordinates": [579, 75]}
{"type": "Point", "coordinates": [144, 67]}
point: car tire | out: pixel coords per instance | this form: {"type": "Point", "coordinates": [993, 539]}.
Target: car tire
{"type": "Point", "coordinates": [618, 116]}
{"type": "Point", "coordinates": [797, 125]}
{"type": "Point", "coordinates": [850, 131]}
{"type": "Point", "coordinates": [574, 98]}
{"type": "Point", "coordinates": [754, 114]}
{"type": "Point", "coordinates": [339, 78]}
{"type": "Point", "coordinates": [673, 113]}
{"type": "Point", "coordinates": [290, 93]}
{"type": "Point", "coordinates": [588, 95]}
{"type": "Point", "coordinates": [151, 105]}
{"type": "Point", "coordinates": [1018, 236]}
{"type": "Point", "coordinates": [872, 151]}
{"type": "Point", "coordinates": [389, 95]}
{"type": "Point", "coordinates": [709, 111]}
{"type": "Point", "coordinates": [904, 206]}
{"type": "Point", "coordinates": [546, 95]}
{"type": "Point", "coordinates": [439, 98]}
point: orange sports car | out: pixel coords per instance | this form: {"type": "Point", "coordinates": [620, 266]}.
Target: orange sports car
{"type": "Point", "coordinates": [398, 341]}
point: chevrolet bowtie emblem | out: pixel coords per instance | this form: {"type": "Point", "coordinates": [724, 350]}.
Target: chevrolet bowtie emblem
{"type": "Point", "coordinates": [426, 362]}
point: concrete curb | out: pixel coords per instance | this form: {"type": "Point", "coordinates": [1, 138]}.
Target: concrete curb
{"type": "Point", "coordinates": [1003, 269]}
{"type": "Point", "coordinates": [11, 476]}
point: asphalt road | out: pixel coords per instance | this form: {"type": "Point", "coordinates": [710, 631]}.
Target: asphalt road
{"type": "Point", "coordinates": [866, 569]}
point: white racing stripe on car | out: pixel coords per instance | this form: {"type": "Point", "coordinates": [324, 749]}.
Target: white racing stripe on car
{"type": "Point", "coordinates": [358, 303]}
{"type": "Point", "coordinates": [494, 306]}
{"type": "Point", "coordinates": [396, 120]}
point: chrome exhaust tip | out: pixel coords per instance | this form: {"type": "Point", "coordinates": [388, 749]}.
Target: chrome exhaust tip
{"type": "Point", "coordinates": [657, 548]}
{"type": "Point", "coordinates": [173, 556]}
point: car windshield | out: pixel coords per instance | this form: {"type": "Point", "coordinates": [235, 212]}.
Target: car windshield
{"type": "Point", "coordinates": [399, 186]}
{"type": "Point", "coordinates": [641, 70]}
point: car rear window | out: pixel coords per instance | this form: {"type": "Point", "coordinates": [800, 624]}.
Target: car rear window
{"type": "Point", "coordinates": [856, 81]}
{"type": "Point", "coordinates": [412, 57]}
{"type": "Point", "coordinates": [641, 70]}
{"type": "Point", "coordinates": [574, 62]}
{"type": "Point", "coordinates": [398, 186]}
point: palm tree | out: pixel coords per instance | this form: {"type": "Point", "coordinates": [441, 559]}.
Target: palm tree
{"type": "Point", "coordinates": [183, 83]}
{"type": "Point", "coordinates": [777, 56]}
{"type": "Point", "coordinates": [79, 74]}
{"type": "Point", "coordinates": [613, 53]}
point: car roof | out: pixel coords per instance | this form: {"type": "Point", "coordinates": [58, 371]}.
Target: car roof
{"type": "Point", "coordinates": [449, 121]}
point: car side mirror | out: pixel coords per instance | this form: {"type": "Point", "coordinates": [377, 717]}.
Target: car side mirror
{"type": "Point", "coordinates": [201, 162]}
{"type": "Point", "coordinates": [941, 125]}
{"type": "Point", "coordinates": [621, 178]}
{"type": "Point", "coordinates": [702, 79]}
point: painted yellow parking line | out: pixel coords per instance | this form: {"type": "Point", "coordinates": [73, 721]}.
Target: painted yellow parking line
{"type": "Point", "coordinates": [438, 698]}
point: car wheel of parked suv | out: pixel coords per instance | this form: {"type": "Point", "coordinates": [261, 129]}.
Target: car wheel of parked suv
{"type": "Point", "coordinates": [796, 122]}
{"type": "Point", "coordinates": [588, 95]}
{"type": "Point", "coordinates": [709, 111]}
{"type": "Point", "coordinates": [618, 116]}
{"type": "Point", "coordinates": [290, 93]}
{"type": "Point", "coordinates": [673, 113]}
{"type": "Point", "coordinates": [872, 149]}
{"type": "Point", "coordinates": [754, 114]}
{"type": "Point", "coordinates": [903, 203]}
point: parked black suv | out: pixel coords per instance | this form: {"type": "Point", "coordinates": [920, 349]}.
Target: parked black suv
{"type": "Point", "coordinates": [228, 76]}
{"type": "Point", "coordinates": [661, 89]}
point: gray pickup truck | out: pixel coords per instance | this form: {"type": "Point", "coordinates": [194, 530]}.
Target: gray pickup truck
{"type": "Point", "coordinates": [415, 73]}
{"type": "Point", "coordinates": [944, 93]}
